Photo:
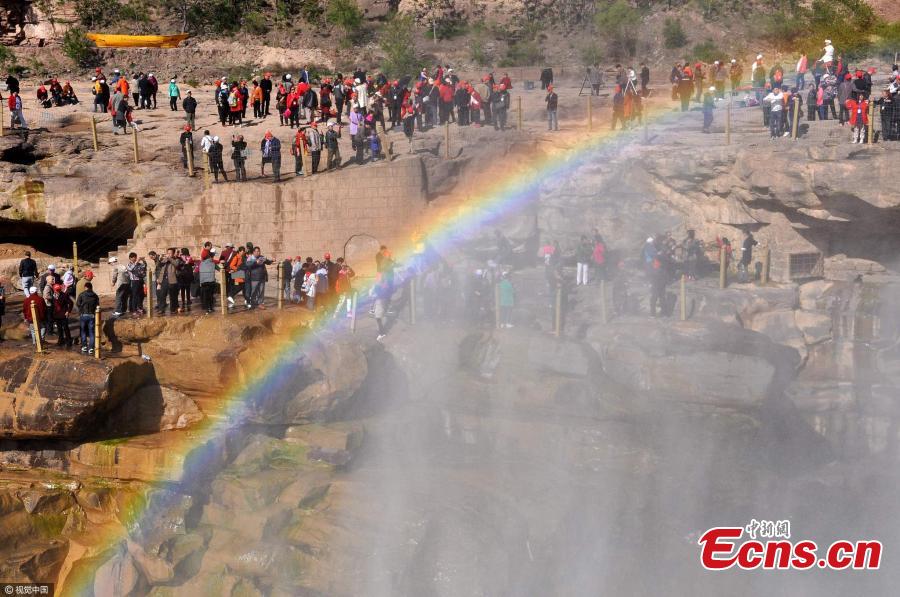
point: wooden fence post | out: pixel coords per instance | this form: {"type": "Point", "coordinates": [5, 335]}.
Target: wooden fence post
{"type": "Point", "coordinates": [151, 290]}
{"type": "Point", "coordinates": [557, 319]}
{"type": "Point", "coordinates": [722, 272]}
{"type": "Point", "coordinates": [94, 133]}
{"type": "Point", "coordinates": [134, 138]}
{"type": "Point", "coordinates": [97, 332]}
{"type": "Point", "coordinates": [36, 330]}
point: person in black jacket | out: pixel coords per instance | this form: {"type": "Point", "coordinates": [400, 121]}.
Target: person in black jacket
{"type": "Point", "coordinates": [215, 160]}
{"type": "Point", "coordinates": [266, 86]}
{"type": "Point", "coordinates": [187, 145]}
{"type": "Point", "coordinates": [552, 103]}
{"type": "Point", "coordinates": [27, 272]}
{"type": "Point", "coordinates": [746, 257]}
{"type": "Point", "coordinates": [87, 303]}
{"type": "Point", "coordinates": [189, 105]}
{"type": "Point", "coordinates": [546, 77]}
{"type": "Point", "coordinates": [239, 157]}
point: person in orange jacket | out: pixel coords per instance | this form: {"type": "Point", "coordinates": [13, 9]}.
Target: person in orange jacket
{"type": "Point", "coordinates": [256, 98]}
{"type": "Point", "coordinates": [859, 118]}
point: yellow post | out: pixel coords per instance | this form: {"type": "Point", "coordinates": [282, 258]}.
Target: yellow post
{"type": "Point", "coordinates": [557, 323]}
{"type": "Point", "coordinates": [728, 124]}
{"type": "Point", "coordinates": [280, 288]}
{"type": "Point", "coordinates": [603, 314]}
{"type": "Point", "coordinates": [94, 133]}
{"type": "Point", "coordinates": [683, 297]}
{"type": "Point", "coordinates": [355, 298]}
{"type": "Point", "coordinates": [590, 111]}
{"type": "Point", "coordinates": [447, 140]}
{"type": "Point", "coordinates": [519, 106]}
{"type": "Point", "coordinates": [497, 306]}
{"type": "Point", "coordinates": [223, 290]}
{"type": "Point", "coordinates": [871, 122]}
{"type": "Point", "coordinates": [151, 289]}
{"type": "Point", "coordinates": [37, 330]}
{"type": "Point", "coordinates": [75, 259]}
{"type": "Point", "coordinates": [722, 272]}
{"type": "Point", "coordinates": [97, 332]}
{"type": "Point", "coordinates": [764, 275]}
{"type": "Point", "coordinates": [794, 130]}
{"type": "Point", "coordinates": [137, 218]}
{"type": "Point", "coordinates": [137, 156]}
{"type": "Point", "coordinates": [190, 162]}
{"type": "Point", "coordinates": [412, 300]}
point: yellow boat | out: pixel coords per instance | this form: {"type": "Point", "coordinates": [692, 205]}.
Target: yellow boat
{"type": "Point", "coordinates": [107, 40]}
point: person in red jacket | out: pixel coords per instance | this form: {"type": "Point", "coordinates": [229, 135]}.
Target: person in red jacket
{"type": "Point", "coordinates": [859, 118]}
{"type": "Point", "coordinates": [445, 89]}
{"type": "Point", "coordinates": [40, 310]}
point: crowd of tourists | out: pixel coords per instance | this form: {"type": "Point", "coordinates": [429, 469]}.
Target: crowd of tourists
{"type": "Point", "coordinates": [834, 87]}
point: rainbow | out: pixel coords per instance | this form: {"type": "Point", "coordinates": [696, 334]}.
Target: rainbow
{"type": "Point", "coordinates": [505, 191]}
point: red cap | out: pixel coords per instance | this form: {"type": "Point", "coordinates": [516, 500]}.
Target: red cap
{"type": "Point", "coordinates": [327, 255]}
{"type": "Point", "coordinates": [89, 275]}
{"type": "Point", "coordinates": [57, 287]}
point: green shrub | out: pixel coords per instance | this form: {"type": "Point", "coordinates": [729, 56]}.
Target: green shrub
{"type": "Point", "coordinates": [309, 10]}
{"type": "Point", "coordinates": [523, 53]}
{"type": "Point", "coordinates": [78, 47]}
{"type": "Point", "coordinates": [397, 41]}
{"type": "Point", "coordinates": [255, 23]}
{"type": "Point", "coordinates": [477, 51]}
{"type": "Point", "coordinates": [618, 22]}
{"type": "Point", "coordinates": [707, 51]}
{"type": "Point", "coordinates": [346, 15]}
{"type": "Point", "coordinates": [590, 54]}
{"type": "Point", "coordinates": [133, 13]}
{"type": "Point", "coordinates": [97, 13]}
{"type": "Point", "coordinates": [673, 34]}
{"type": "Point", "coordinates": [7, 58]}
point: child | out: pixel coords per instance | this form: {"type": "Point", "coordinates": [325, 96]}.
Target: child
{"type": "Point", "coordinates": [375, 146]}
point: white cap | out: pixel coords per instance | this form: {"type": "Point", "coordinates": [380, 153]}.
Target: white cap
{"type": "Point", "coordinates": [712, 88]}
{"type": "Point", "coordinates": [827, 41]}
{"type": "Point", "coordinates": [479, 272]}
{"type": "Point", "coordinates": [150, 75]}
{"type": "Point", "coordinates": [93, 78]}
{"type": "Point", "coordinates": [32, 289]}
{"type": "Point", "coordinates": [649, 239]}
{"type": "Point", "coordinates": [759, 56]}
{"type": "Point", "coordinates": [356, 81]}
{"type": "Point", "coordinates": [287, 76]}
{"type": "Point", "coordinates": [113, 260]}
{"type": "Point", "coordinates": [172, 80]}
{"type": "Point", "coordinates": [216, 138]}
{"type": "Point", "coordinates": [733, 60]}
{"type": "Point", "coordinates": [51, 267]}
{"type": "Point", "coordinates": [229, 244]}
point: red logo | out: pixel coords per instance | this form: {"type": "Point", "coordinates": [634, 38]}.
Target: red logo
{"type": "Point", "coordinates": [722, 548]}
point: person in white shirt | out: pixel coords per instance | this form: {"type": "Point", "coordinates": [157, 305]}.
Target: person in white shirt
{"type": "Point", "coordinates": [828, 57]}
{"type": "Point", "coordinates": [776, 99]}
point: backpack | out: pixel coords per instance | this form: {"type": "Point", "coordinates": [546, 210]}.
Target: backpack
{"type": "Point", "coordinates": [232, 100]}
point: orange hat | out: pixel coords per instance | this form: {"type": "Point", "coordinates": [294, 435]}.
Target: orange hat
{"type": "Point", "coordinates": [327, 255]}
{"type": "Point", "coordinates": [268, 134]}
